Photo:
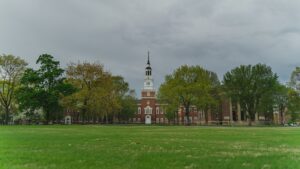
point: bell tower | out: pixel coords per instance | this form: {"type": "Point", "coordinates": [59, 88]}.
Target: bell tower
{"type": "Point", "coordinates": [148, 80]}
{"type": "Point", "coordinates": [148, 97]}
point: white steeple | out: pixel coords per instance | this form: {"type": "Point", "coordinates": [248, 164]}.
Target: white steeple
{"type": "Point", "coordinates": [148, 81]}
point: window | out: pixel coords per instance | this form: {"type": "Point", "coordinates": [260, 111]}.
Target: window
{"type": "Point", "coordinates": [148, 93]}
{"type": "Point", "coordinates": [157, 110]}
{"type": "Point", "coordinates": [139, 110]}
{"type": "Point", "coordinates": [138, 119]}
{"type": "Point", "coordinates": [157, 120]}
{"type": "Point", "coordinates": [162, 120]}
{"type": "Point", "coordinates": [148, 110]}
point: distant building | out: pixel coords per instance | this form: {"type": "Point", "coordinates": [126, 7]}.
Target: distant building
{"type": "Point", "coordinates": [150, 111]}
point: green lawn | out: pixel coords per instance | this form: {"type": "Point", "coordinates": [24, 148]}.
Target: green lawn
{"type": "Point", "coordinates": [138, 147]}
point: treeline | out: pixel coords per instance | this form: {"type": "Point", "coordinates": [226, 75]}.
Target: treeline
{"type": "Point", "coordinates": [255, 87]}
{"type": "Point", "coordinates": [84, 90]}
{"type": "Point", "coordinates": [92, 95]}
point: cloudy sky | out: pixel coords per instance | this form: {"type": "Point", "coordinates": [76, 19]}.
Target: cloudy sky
{"type": "Point", "coordinates": [216, 34]}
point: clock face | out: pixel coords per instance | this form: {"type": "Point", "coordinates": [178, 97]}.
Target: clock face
{"type": "Point", "coordinates": [148, 84]}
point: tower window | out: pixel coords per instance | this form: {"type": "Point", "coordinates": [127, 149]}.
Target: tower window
{"type": "Point", "coordinates": [148, 72]}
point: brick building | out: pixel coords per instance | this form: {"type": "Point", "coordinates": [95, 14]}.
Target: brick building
{"type": "Point", "coordinates": [150, 111]}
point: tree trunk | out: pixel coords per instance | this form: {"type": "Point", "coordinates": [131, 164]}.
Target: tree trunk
{"type": "Point", "coordinates": [6, 115]}
{"type": "Point", "coordinates": [106, 118]}
{"type": "Point", "coordinates": [250, 119]}
{"type": "Point", "coordinates": [250, 122]}
{"type": "Point", "coordinates": [187, 113]}
{"type": "Point", "coordinates": [206, 116]}
{"type": "Point", "coordinates": [47, 117]}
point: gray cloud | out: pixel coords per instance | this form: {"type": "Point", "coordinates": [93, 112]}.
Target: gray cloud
{"type": "Point", "coordinates": [216, 34]}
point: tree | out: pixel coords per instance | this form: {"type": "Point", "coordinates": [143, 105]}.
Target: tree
{"type": "Point", "coordinates": [11, 70]}
{"type": "Point", "coordinates": [294, 95]}
{"type": "Point", "coordinates": [293, 104]}
{"type": "Point", "coordinates": [295, 79]}
{"type": "Point", "coordinates": [43, 88]}
{"type": "Point", "coordinates": [92, 83]}
{"type": "Point", "coordinates": [128, 107]}
{"type": "Point", "coordinates": [187, 86]}
{"type": "Point", "coordinates": [100, 95]}
{"type": "Point", "coordinates": [248, 85]}
{"type": "Point", "coordinates": [125, 101]}
{"type": "Point", "coordinates": [170, 112]}
{"type": "Point", "coordinates": [212, 102]}
{"type": "Point", "coordinates": [281, 99]}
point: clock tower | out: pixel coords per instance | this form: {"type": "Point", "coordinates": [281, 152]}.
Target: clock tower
{"type": "Point", "coordinates": [148, 81]}
{"type": "Point", "coordinates": [148, 104]}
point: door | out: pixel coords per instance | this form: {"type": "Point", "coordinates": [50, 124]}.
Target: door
{"type": "Point", "coordinates": [148, 119]}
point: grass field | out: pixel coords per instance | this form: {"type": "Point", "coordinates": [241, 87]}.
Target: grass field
{"type": "Point", "coordinates": [138, 147]}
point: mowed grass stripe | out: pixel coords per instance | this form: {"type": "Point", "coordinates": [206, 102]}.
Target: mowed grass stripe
{"type": "Point", "coordinates": [88, 147]}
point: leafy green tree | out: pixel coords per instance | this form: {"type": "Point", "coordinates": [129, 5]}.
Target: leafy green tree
{"type": "Point", "coordinates": [187, 86]}
{"type": "Point", "coordinates": [128, 107]}
{"type": "Point", "coordinates": [249, 85]}
{"type": "Point", "coordinates": [92, 83]}
{"type": "Point", "coordinates": [169, 106]}
{"type": "Point", "coordinates": [11, 70]}
{"type": "Point", "coordinates": [293, 105]}
{"type": "Point", "coordinates": [126, 103]}
{"type": "Point", "coordinates": [100, 95]}
{"type": "Point", "coordinates": [212, 103]}
{"type": "Point", "coordinates": [295, 79]}
{"type": "Point", "coordinates": [281, 100]}
{"type": "Point", "coordinates": [43, 88]}
{"type": "Point", "coordinates": [171, 112]}
{"type": "Point", "coordinates": [294, 95]}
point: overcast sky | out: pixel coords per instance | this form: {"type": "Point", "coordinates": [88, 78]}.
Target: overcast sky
{"type": "Point", "coordinates": [216, 34]}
